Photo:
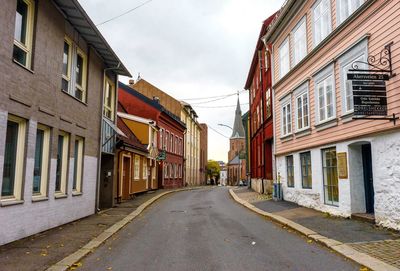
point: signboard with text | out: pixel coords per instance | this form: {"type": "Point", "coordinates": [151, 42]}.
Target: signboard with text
{"type": "Point", "coordinates": [369, 94]}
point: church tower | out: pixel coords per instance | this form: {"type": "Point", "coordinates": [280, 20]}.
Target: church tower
{"type": "Point", "coordinates": [238, 137]}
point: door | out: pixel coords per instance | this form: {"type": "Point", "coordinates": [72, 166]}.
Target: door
{"type": "Point", "coordinates": [126, 168]}
{"type": "Point", "coordinates": [368, 178]}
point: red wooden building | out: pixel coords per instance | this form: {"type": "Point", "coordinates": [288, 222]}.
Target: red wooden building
{"type": "Point", "coordinates": [261, 114]}
{"type": "Point", "coordinates": [170, 136]}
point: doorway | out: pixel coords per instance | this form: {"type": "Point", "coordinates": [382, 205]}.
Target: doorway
{"type": "Point", "coordinates": [368, 178]}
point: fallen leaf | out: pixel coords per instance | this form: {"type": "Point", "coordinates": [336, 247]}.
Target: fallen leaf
{"type": "Point", "coordinates": [364, 268]}
{"type": "Point", "coordinates": [27, 253]}
{"type": "Point", "coordinates": [109, 268]}
{"type": "Point", "coordinates": [61, 245]}
{"type": "Point", "coordinates": [43, 254]}
{"type": "Point", "coordinates": [109, 248]}
{"type": "Point", "coordinates": [309, 241]}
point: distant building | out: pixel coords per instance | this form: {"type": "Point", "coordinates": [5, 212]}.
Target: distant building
{"type": "Point", "coordinates": [203, 153]}
{"type": "Point", "coordinates": [223, 175]}
{"type": "Point", "coordinates": [237, 151]}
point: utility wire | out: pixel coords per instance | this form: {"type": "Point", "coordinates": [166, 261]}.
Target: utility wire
{"type": "Point", "coordinates": [212, 97]}
{"type": "Point", "coordinates": [126, 12]}
{"type": "Point", "coordinates": [217, 132]}
{"type": "Point", "coordinates": [223, 106]}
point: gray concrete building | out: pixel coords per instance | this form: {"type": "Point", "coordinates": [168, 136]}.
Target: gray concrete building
{"type": "Point", "coordinates": [57, 96]}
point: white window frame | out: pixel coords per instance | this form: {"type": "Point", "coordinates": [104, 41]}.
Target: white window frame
{"type": "Point", "coordinates": [166, 168]}
{"type": "Point", "coordinates": [107, 92]}
{"type": "Point", "coordinates": [78, 165]}
{"type": "Point", "coordinates": [73, 85]}
{"type": "Point", "coordinates": [27, 46]}
{"type": "Point", "coordinates": [284, 56]}
{"type": "Point", "coordinates": [64, 164]}
{"type": "Point", "coordinates": [268, 102]}
{"type": "Point", "coordinates": [301, 92]}
{"type": "Point", "coordinates": [286, 119]}
{"type": "Point", "coordinates": [144, 167]}
{"type": "Point", "coordinates": [358, 52]}
{"type": "Point", "coordinates": [318, 40]}
{"type": "Point", "coordinates": [298, 55]}
{"type": "Point", "coordinates": [136, 168]}
{"type": "Point", "coordinates": [322, 76]}
{"type": "Point", "coordinates": [44, 180]}
{"type": "Point", "coordinates": [19, 161]}
{"type": "Point", "coordinates": [352, 6]}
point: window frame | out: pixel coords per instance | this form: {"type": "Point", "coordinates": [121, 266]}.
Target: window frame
{"type": "Point", "coordinates": [290, 169]}
{"type": "Point", "coordinates": [329, 23]}
{"type": "Point", "coordinates": [302, 21]}
{"type": "Point", "coordinates": [68, 76]}
{"type": "Point", "coordinates": [64, 164]}
{"type": "Point", "coordinates": [145, 175]}
{"type": "Point", "coordinates": [284, 116]}
{"type": "Point", "coordinates": [108, 82]}
{"type": "Point", "coordinates": [308, 184]}
{"type": "Point", "coordinates": [268, 103]}
{"type": "Point", "coordinates": [44, 179]}
{"type": "Point", "coordinates": [19, 161]}
{"type": "Point", "coordinates": [282, 72]}
{"type": "Point", "coordinates": [136, 168]}
{"type": "Point", "coordinates": [327, 201]}
{"type": "Point", "coordinates": [78, 165]}
{"type": "Point", "coordinates": [339, 19]}
{"type": "Point", "coordinates": [321, 77]}
{"type": "Point", "coordinates": [28, 46]}
{"type": "Point", "coordinates": [301, 92]}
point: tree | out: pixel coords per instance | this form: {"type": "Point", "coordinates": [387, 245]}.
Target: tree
{"type": "Point", "coordinates": [213, 169]}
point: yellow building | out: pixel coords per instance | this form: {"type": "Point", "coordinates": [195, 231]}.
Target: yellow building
{"type": "Point", "coordinates": [192, 145]}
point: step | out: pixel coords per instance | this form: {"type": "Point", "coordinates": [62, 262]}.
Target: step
{"type": "Point", "coordinates": [370, 218]}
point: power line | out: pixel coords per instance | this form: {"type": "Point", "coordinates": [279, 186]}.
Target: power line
{"type": "Point", "coordinates": [223, 106]}
{"type": "Point", "coordinates": [212, 97]}
{"type": "Point", "coordinates": [217, 132]}
{"type": "Point", "coordinates": [126, 12]}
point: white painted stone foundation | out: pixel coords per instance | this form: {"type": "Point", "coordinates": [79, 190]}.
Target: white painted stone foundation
{"type": "Point", "coordinates": [385, 150]}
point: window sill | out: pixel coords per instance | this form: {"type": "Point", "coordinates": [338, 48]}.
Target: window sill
{"type": "Point", "coordinates": [347, 117]}
{"type": "Point", "coordinates": [76, 193]}
{"type": "Point", "coordinates": [10, 202]}
{"type": "Point", "coordinates": [39, 198]}
{"type": "Point", "coordinates": [291, 187]}
{"type": "Point", "coordinates": [60, 196]}
{"type": "Point", "coordinates": [76, 99]}
{"type": "Point", "coordinates": [22, 66]}
{"type": "Point", "coordinates": [286, 137]}
{"type": "Point", "coordinates": [304, 132]}
{"type": "Point", "coordinates": [326, 124]}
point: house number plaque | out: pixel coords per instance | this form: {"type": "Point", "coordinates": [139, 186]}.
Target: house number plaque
{"type": "Point", "coordinates": [342, 165]}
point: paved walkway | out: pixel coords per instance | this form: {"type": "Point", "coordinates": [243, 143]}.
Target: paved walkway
{"type": "Point", "coordinates": [40, 251]}
{"type": "Point", "coordinates": [364, 237]}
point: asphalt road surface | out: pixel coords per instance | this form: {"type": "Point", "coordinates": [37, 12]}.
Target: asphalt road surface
{"type": "Point", "coordinates": [206, 230]}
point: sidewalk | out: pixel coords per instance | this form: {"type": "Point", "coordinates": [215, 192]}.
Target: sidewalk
{"type": "Point", "coordinates": [366, 238]}
{"type": "Point", "coordinates": [40, 251]}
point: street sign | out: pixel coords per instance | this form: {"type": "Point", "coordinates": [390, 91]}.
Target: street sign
{"type": "Point", "coordinates": [368, 76]}
{"type": "Point", "coordinates": [162, 155]}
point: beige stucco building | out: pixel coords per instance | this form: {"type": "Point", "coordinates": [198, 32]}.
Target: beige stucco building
{"type": "Point", "coordinates": [192, 145]}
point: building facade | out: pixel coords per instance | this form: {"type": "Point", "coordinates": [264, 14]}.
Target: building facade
{"type": "Point", "coordinates": [261, 114]}
{"type": "Point", "coordinates": [326, 158]}
{"type": "Point", "coordinates": [203, 153]}
{"type": "Point", "coordinates": [236, 166]}
{"type": "Point", "coordinates": [192, 145]}
{"type": "Point", "coordinates": [170, 135]}
{"type": "Point", "coordinates": [54, 78]}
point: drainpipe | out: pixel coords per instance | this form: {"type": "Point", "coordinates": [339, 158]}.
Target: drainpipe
{"type": "Point", "coordinates": [97, 205]}
{"type": "Point", "coordinates": [262, 118]}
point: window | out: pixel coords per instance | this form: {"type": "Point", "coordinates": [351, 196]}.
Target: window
{"type": "Point", "coordinates": [346, 7]}
{"type": "Point", "coordinates": [268, 103]}
{"type": "Point", "coordinates": [145, 173]}
{"type": "Point", "coordinates": [166, 141]}
{"type": "Point", "coordinates": [62, 163]}
{"type": "Point", "coordinates": [41, 164]}
{"type": "Point", "coordinates": [300, 41]}
{"type": "Point", "coordinates": [175, 171]}
{"type": "Point", "coordinates": [305, 162]}
{"type": "Point", "coordinates": [161, 139]}
{"type": "Point", "coordinates": [180, 170]}
{"type": "Point", "coordinates": [329, 167]}
{"type": "Point", "coordinates": [166, 167]}
{"type": "Point", "coordinates": [258, 116]}
{"type": "Point", "coordinates": [356, 55]}
{"type": "Point", "coordinates": [266, 59]}
{"type": "Point", "coordinates": [153, 173]}
{"type": "Point", "coordinates": [325, 96]}
{"type": "Point", "coordinates": [322, 24]}
{"type": "Point", "coordinates": [171, 143]}
{"type": "Point", "coordinates": [302, 115]}
{"type": "Point", "coordinates": [136, 172]}
{"type": "Point", "coordinates": [284, 59]}
{"type": "Point", "coordinates": [78, 165]}
{"type": "Point", "coordinates": [23, 33]}
{"type": "Point", "coordinates": [11, 188]}
{"type": "Point", "coordinates": [74, 74]}
{"type": "Point", "coordinates": [290, 171]}
{"type": "Point", "coordinates": [286, 119]}
{"type": "Point", "coordinates": [171, 171]}
{"type": "Point", "coordinates": [66, 68]}
{"type": "Point", "coordinates": [109, 99]}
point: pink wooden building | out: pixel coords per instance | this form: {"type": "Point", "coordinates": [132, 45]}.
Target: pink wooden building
{"type": "Point", "coordinates": [325, 159]}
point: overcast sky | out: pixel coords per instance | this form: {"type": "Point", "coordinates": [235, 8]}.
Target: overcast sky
{"type": "Point", "coordinates": [189, 49]}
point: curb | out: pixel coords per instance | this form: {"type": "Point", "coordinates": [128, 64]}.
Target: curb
{"type": "Point", "coordinates": [339, 247]}
{"type": "Point", "coordinates": [70, 260]}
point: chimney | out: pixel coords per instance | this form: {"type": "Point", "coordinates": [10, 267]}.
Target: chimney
{"type": "Point", "coordinates": [131, 82]}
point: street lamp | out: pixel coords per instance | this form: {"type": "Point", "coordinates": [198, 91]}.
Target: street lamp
{"type": "Point", "coordinates": [219, 124]}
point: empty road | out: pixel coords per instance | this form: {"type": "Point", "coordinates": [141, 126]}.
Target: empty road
{"type": "Point", "coordinates": [206, 230]}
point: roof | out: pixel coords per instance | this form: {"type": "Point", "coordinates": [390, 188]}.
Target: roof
{"type": "Point", "coordinates": [238, 129]}
{"type": "Point", "coordinates": [130, 138]}
{"type": "Point", "coordinates": [78, 18]}
{"type": "Point", "coordinates": [150, 102]}
{"type": "Point", "coordinates": [254, 62]}
{"type": "Point", "coordinates": [235, 161]}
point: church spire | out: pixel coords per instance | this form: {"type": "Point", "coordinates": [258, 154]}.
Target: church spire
{"type": "Point", "coordinates": [238, 129]}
